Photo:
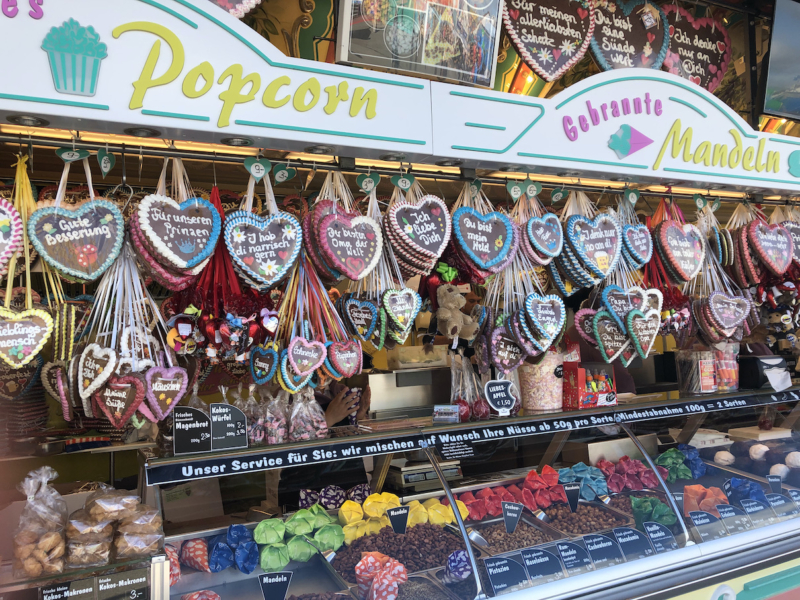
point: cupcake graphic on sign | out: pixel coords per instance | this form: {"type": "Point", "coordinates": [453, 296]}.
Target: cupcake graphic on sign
{"type": "Point", "coordinates": [75, 53]}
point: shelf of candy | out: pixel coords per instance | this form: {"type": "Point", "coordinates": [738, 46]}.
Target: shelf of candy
{"type": "Point", "coordinates": [698, 497]}
{"type": "Point", "coordinates": [630, 475]}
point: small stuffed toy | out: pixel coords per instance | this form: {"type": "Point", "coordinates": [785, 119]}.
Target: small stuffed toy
{"type": "Point", "coordinates": [452, 322]}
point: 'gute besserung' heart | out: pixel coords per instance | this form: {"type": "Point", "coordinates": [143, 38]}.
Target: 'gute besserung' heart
{"type": "Point", "coordinates": [611, 340]}
{"type": "Point", "coordinates": [423, 227]}
{"type": "Point", "coordinates": [183, 234]}
{"type": "Point", "coordinates": [345, 357]}
{"type": "Point", "coordinates": [352, 245]}
{"type": "Point", "coordinates": [81, 243]}
{"type": "Point", "coordinates": [545, 234]}
{"type": "Point", "coordinates": [772, 244]}
{"type": "Point", "coordinates": [596, 242]}
{"type": "Point", "coordinates": [546, 314]}
{"type": "Point", "coordinates": [699, 48]}
{"type": "Point", "coordinates": [95, 367]}
{"type": "Point", "coordinates": [568, 35]}
{"type": "Point", "coordinates": [119, 398]}
{"type": "Point", "coordinates": [165, 386]}
{"type": "Point", "coordinates": [263, 364]}
{"type": "Point", "coordinates": [643, 329]}
{"type": "Point", "coordinates": [306, 356]}
{"type": "Point", "coordinates": [23, 335]}
{"type": "Point", "coordinates": [487, 239]}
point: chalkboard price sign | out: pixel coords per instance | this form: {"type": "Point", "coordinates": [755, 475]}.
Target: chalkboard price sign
{"type": "Point", "coordinates": [228, 427]}
{"type": "Point", "coordinates": [192, 430]}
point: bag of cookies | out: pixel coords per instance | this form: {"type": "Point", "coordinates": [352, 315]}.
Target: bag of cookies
{"type": "Point", "coordinates": [108, 503]}
{"type": "Point", "coordinates": [145, 519]}
{"type": "Point", "coordinates": [132, 545]}
{"type": "Point", "coordinates": [39, 544]}
{"type": "Point", "coordinates": [88, 554]}
{"type": "Point", "coordinates": [81, 527]}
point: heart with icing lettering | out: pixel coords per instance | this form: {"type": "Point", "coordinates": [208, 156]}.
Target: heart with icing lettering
{"type": "Point", "coordinates": [238, 370]}
{"type": "Point", "coordinates": [165, 388]}
{"type": "Point", "coordinates": [620, 302]}
{"type": "Point", "coordinates": [611, 340]}
{"type": "Point", "coordinates": [119, 398]}
{"type": "Point", "coordinates": [263, 363]}
{"type": "Point", "coordinates": [352, 245]}
{"type": "Point", "coordinates": [596, 242]}
{"type": "Point", "coordinates": [643, 329]}
{"type": "Point", "coordinates": [362, 315]}
{"type": "Point", "coordinates": [49, 377]}
{"type": "Point", "coordinates": [184, 235]}
{"type": "Point", "coordinates": [772, 244]}
{"type": "Point", "coordinates": [15, 383]}
{"type": "Point", "coordinates": [292, 382]}
{"type": "Point", "coordinates": [487, 239]}
{"type": "Point", "coordinates": [682, 247]}
{"type": "Point", "coordinates": [546, 235]}
{"type": "Point", "coordinates": [505, 354]}
{"type": "Point", "coordinates": [422, 228]}
{"type": "Point", "coordinates": [10, 232]}
{"type": "Point", "coordinates": [698, 47]}
{"type": "Point", "coordinates": [627, 35]}
{"type": "Point", "coordinates": [306, 356]}
{"type": "Point", "coordinates": [727, 311]}
{"type": "Point", "coordinates": [401, 307]}
{"type": "Point", "coordinates": [345, 357]}
{"type": "Point", "coordinates": [526, 27]}
{"type": "Point", "coordinates": [81, 243]}
{"type": "Point", "coordinates": [638, 242]}
{"type": "Point", "coordinates": [23, 335]}
{"type": "Point", "coordinates": [95, 367]}
{"type": "Point", "coordinates": [264, 249]}
{"type": "Point", "coordinates": [794, 230]}
{"type": "Point", "coordinates": [584, 323]}
{"type": "Point", "coordinates": [546, 314]}
{"type": "Point", "coordinates": [655, 300]}
{"type": "Point", "coordinates": [517, 325]}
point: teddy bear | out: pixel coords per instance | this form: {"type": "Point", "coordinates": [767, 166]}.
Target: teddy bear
{"type": "Point", "coordinates": [452, 322]}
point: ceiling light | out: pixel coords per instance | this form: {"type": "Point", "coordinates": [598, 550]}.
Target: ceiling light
{"type": "Point", "coordinates": [392, 156]}
{"type": "Point", "coordinates": [237, 141]}
{"type": "Point", "coordinates": [319, 149]}
{"type": "Point", "coordinates": [450, 162]}
{"type": "Point", "coordinates": [27, 121]}
{"type": "Point", "coordinates": [143, 132]}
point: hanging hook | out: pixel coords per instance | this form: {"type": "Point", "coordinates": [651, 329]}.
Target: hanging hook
{"type": "Point", "coordinates": [214, 167]}
{"type": "Point", "coordinates": [124, 171]}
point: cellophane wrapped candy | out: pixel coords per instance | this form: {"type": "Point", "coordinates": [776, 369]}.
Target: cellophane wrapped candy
{"type": "Point", "coordinates": [358, 493]}
{"type": "Point", "coordinates": [379, 576]}
{"type": "Point", "coordinates": [308, 419]}
{"type": "Point", "coordinates": [332, 497]}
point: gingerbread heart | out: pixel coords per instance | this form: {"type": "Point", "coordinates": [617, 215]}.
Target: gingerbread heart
{"type": "Point", "coordinates": [352, 245]}
{"type": "Point", "coordinates": [306, 356]}
{"type": "Point", "coordinates": [165, 386]}
{"type": "Point", "coordinates": [236, 369]}
{"type": "Point", "coordinates": [263, 364]}
{"type": "Point", "coordinates": [655, 300]}
{"type": "Point", "coordinates": [119, 398]}
{"type": "Point", "coordinates": [402, 307]}
{"type": "Point", "coordinates": [292, 382]}
{"type": "Point", "coordinates": [684, 247]}
{"type": "Point", "coordinates": [362, 316]}
{"type": "Point", "coordinates": [505, 354]}
{"type": "Point", "coordinates": [597, 242]}
{"type": "Point", "coordinates": [183, 234]}
{"type": "Point", "coordinates": [81, 243]}
{"type": "Point", "coordinates": [629, 34]}
{"type": "Point", "coordinates": [567, 35]}
{"type": "Point", "coordinates": [345, 357]}
{"type": "Point", "coordinates": [638, 242]}
{"type": "Point", "coordinates": [772, 244]}
{"type": "Point", "coordinates": [423, 227]}
{"type": "Point", "coordinates": [49, 377]}
{"type": "Point", "coordinates": [10, 232]}
{"type": "Point", "coordinates": [487, 239]}
{"type": "Point", "coordinates": [545, 234]}
{"type": "Point", "coordinates": [23, 335]}
{"type": "Point", "coordinates": [546, 314]}
{"type": "Point", "coordinates": [584, 323]}
{"type": "Point", "coordinates": [95, 367]}
{"type": "Point", "coordinates": [699, 48]}
{"type": "Point", "coordinates": [794, 230]}
{"type": "Point", "coordinates": [517, 326]}
{"type": "Point", "coordinates": [611, 340]}
{"type": "Point", "coordinates": [643, 328]}
{"type": "Point", "coordinates": [728, 311]}
{"type": "Point", "coordinates": [15, 383]}
{"type": "Point", "coordinates": [620, 302]}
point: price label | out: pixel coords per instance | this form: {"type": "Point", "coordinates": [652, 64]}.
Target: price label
{"type": "Point", "coordinates": [707, 525]}
{"type": "Point", "coordinates": [275, 585]}
{"type": "Point", "coordinates": [514, 190]}
{"type": "Point", "coordinates": [775, 484]}
{"type": "Point", "coordinates": [505, 573]}
{"type": "Point", "coordinates": [660, 536]}
{"type": "Point", "coordinates": [573, 492]}
{"type": "Point", "coordinates": [192, 430]}
{"type": "Point", "coordinates": [106, 160]}
{"type": "Point", "coordinates": [398, 517]}
{"type": "Point", "coordinates": [128, 585]}
{"type": "Point", "coordinates": [404, 182]}
{"type": "Point", "coordinates": [542, 566]}
{"type": "Point", "coordinates": [734, 518]}
{"type": "Point", "coordinates": [795, 495]}
{"type": "Point", "coordinates": [727, 488]}
{"type": "Point", "coordinates": [679, 501]}
{"type": "Point", "coordinates": [499, 396]}
{"type": "Point", "coordinates": [74, 590]}
{"type": "Point", "coordinates": [604, 551]}
{"type": "Point", "coordinates": [576, 558]}
{"type": "Point", "coordinates": [760, 514]}
{"type": "Point", "coordinates": [634, 544]}
{"type": "Point", "coordinates": [783, 506]}
{"type": "Point", "coordinates": [512, 511]}
{"type": "Point", "coordinates": [475, 187]}
{"type": "Point", "coordinates": [228, 427]}
{"type": "Point", "coordinates": [69, 155]}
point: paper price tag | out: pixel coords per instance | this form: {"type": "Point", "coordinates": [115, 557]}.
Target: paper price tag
{"type": "Point", "coordinates": [634, 544]}
{"type": "Point", "coordinates": [775, 484]}
{"type": "Point", "coordinates": [499, 396]}
{"type": "Point", "coordinates": [604, 551]}
{"type": "Point", "coordinates": [543, 566]}
{"type": "Point", "coordinates": [512, 511]}
{"type": "Point", "coordinates": [398, 517]}
{"type": "Point", "coordinates": [573, 492]}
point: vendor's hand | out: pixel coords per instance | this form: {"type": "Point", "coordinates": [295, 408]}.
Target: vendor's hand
{"type": "Point", "coordinates": [343, 404]}
{"type": "Point", "coordinates": [363, 408]}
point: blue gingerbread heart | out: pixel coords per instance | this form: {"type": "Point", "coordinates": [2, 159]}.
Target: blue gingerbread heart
{"type": "Point", "coordinates": [486, 239]}
{"type": "Point", "coordinates": [545, 234]}
{"type": "Point", "coordinates": [638, 242]}
{"type": "Point", "coordinates": [263, 364]}
{"type": "Point", "coordinates": [597, 242]}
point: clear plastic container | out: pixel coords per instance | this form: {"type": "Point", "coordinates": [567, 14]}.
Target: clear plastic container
{"type": "Point", "coordinates": [542, 384]}
{"type": "Point", "coordinates": [726, 358]}
{"type": "Point", "coordinates": [697, 371]}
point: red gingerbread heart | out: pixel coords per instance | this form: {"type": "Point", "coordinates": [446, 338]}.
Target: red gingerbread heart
{"type": "Point", "coordinates": [119, 398]}
{"type": "Point", "coordinates": [772, 244]}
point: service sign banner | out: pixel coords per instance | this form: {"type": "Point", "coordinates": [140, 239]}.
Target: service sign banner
{"type": "Point", "coordinates": [640, 123]}
{"type": "Point", "coordinates": [190, 70]}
